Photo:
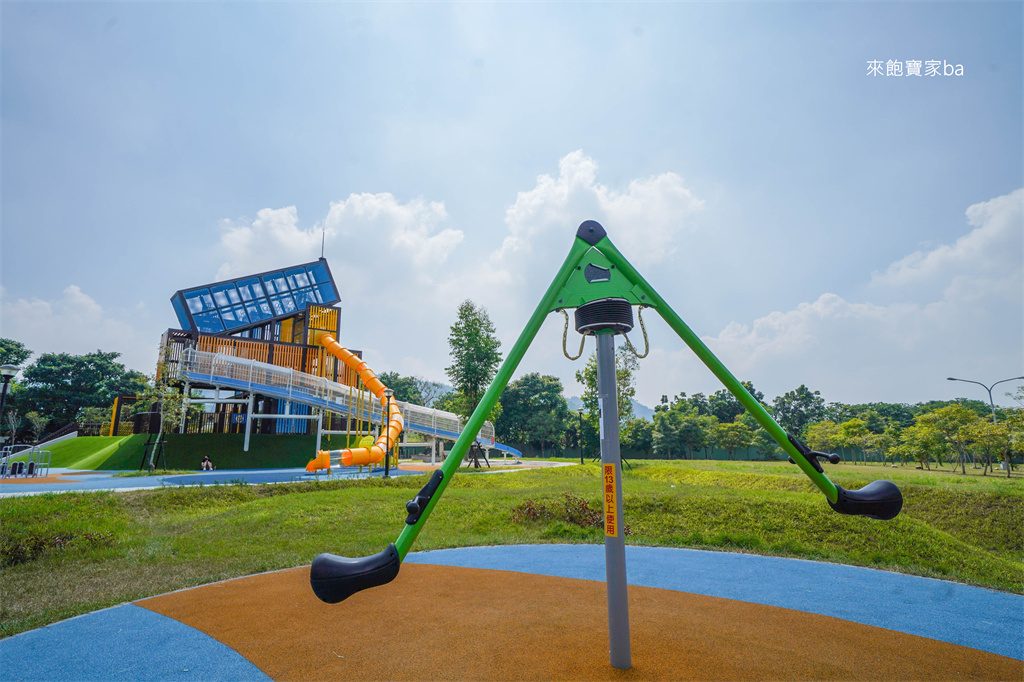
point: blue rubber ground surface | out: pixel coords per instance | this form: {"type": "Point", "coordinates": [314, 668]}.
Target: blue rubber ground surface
{"type": "Point", "coordinates": [969, 616]}
{"type": "Point", "coordinates": [104, 480]}
{"type": "Point", "coordinates": [131, 643]}
{"type": "Point", "coordinates": [126, 643]}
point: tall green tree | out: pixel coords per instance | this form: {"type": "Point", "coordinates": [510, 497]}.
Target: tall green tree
{"type": "Point", "coordinates": [732, 436]}
{"type": "Point", "coordinates": [59, 385]}
{"type": "Point", "coordinates": [954, 423]}
{"type": "Point", "coordinates": [626, 365]}
{"type": "Point", "coordinates": [724, 405]}
{"type": "Point", "coordinates": [406, 388]}
{"type": "Point", "coordinates": [13, 352]}
{"type": "Point", "coordinates": [533, 411]}
{"type": "Point", "coordinates": [475, 356]}
{"type": "Point", "coordinates": [680, 429]}
{"type": "Point", "coordinates": [638, 434]}
{"type": "Point", "coordinates": [798, 408]}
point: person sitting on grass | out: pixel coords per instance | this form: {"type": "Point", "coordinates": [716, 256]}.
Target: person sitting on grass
{"type": "Point", "coordinates": [207, 465]}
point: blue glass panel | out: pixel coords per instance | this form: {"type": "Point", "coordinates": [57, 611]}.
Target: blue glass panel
{"type": "Point", "coordinates": [199, 300]}
{"type": "Point", "coordinates": [234, 316]}
{"type": "Point", "coordinates": [250, 289]}
{"type": "Point", "coordinates": [283, 304]}
{"type": "Point", "coordinates": [297, 277]}
{"type": "Point", "coordinates": [208, 322]}
{"type": "Point", "coordinates": [258, 310]}
{"type": "Point", "coordinates": [275, 283]}
{"type": "Point", "coordinates": [317, 273]}
{"type": "Point", "coordinates": [327, 293]}
{"type": "Point", "coordinates": [179, 310]}
{"type": "Point", "coordinates": [304, 296]}
{"type": "Point", "coordinates": [225, 294]}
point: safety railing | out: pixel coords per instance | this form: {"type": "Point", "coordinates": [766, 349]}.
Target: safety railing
{"type": "Point", "coordinates": [218, 369]}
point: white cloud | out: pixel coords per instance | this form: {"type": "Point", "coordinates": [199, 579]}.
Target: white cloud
{"type": "Point", "coordinates": [411, 230]}
{"type": "Point", "coordinates": [271, 241]}
{"type": "Point", "coordinates": [967, 316]}
{"type": "Point", "coordinates": [647, 217]}
{"type": "Point", "coordinates": [955, 308]}
{"type": "Point", "coordinates": [993, 245]}
{"type": "Point", "coordinates": [74, 323]}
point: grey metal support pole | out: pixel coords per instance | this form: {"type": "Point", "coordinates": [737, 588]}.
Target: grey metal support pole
{"type": "Point", "coordinates": [248, 423]}
{"type": "Point", "coordinates": [186, 393]}
{"type": "Point", "coordinates": [614, 535]}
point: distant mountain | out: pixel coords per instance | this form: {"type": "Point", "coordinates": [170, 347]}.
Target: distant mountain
{"type": "Point", "coordinates": [639, 409]}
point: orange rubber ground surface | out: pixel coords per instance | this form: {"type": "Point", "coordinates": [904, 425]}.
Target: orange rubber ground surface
{"type": "Point", "coordinates": [445, 623]}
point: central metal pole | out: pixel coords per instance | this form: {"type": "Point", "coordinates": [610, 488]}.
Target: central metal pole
{"type": "Point", "coordinates": [614, 534]}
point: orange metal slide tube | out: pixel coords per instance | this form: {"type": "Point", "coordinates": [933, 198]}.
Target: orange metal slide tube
{"type": "Point", "coordinates": [389, 435]}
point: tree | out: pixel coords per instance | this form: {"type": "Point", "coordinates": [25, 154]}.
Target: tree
{"type": "Point", "coordinates": [429, 390]}
{"type": "Point", "coordinates": [13, 421]}
{"type": "Point", "coordinates": [680, 430]}
{"type": "Point", "coordinates": [922, 442]}
{"type": "Point", "coordinates": [475, 355]}
{"type": "Point", "coordinates": [625, 365]}
{"type": "Point", "coordinates": [954, 423]}
{"type": "Point", "coordinates": [13, 352]}
{"type": "Point", "coordinates": [534, 411]}
{"type": "Point", "coordinates": [823, 436]}
{"type": "Point", "coordinates": [988, 441]}
{"type": "Point", "coordinates": [733, 436]}
{"type": "Point", "coordinates": [638, 434]}
{"type": "Point", "coordinates": [763, 444]}
{"type": "Point", "coordinates": [406, 388]}
{"type": "Point", "coordinates": [853, 434]}
{"type": "Point", "coordinates": [724, 405]}
{"type": "Point", "coordinates": [798, 408]}
{"type": "Point", "coordinates": [36, 424]}
{"type": "Point", "coordinates": [59, 385]}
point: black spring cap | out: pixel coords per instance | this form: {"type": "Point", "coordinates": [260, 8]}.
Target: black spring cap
{"type": "Point", "coordinates": [605, 314]}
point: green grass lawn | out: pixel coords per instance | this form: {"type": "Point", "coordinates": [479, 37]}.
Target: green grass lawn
{"type": "Point", "coordinates": [64, 555]}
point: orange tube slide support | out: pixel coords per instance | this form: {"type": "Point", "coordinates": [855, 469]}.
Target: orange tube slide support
{"type": "Point", "coordinates": [377, 451]}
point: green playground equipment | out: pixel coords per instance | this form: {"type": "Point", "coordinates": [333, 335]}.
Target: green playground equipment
{"type": "Point", "coordinates": [602, 286]}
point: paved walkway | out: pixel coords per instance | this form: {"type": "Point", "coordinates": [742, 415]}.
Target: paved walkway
{"type": "Point", "coordinates": [537, 612]}
{"type": "Point", "coordinates": [74, 480]}
{"type": "Point", "coordinates": [69, 480]}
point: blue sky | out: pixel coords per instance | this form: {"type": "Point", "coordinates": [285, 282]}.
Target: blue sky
{"type": "Point", "coordinates": [814, 224]}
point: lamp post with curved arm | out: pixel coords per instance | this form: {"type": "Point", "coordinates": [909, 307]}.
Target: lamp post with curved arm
{"type": "Point", "coordinates": [989, 389]}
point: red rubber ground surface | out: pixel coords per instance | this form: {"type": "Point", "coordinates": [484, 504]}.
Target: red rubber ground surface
{"type": "Point", "coordinates": [445, 623]}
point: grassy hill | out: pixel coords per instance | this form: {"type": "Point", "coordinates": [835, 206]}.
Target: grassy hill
{"type": "Point", "coordinates": [64, 555]}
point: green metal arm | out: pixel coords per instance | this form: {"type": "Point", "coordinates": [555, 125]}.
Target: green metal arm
{"type": "Point", "coordinates": [335, 578]}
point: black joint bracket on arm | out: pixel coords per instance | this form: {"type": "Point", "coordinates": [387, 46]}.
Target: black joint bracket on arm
{"type": "Point", "coordinates": [418, 504]}
{"type": "Point", "coordinates": [808, 454]}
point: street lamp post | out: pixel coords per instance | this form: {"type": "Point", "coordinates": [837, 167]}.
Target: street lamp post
{"type": "Point", "coordinates": [387, 433]}
{"type": "Point", "coordinates": [579, 433]}
{"type": "Point", "coordinates": [8, 372]}
{"type": "Point", "coordinates": [989, 389]}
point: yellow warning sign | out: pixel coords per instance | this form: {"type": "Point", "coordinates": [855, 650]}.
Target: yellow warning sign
{"type": "Point", "coordinates": [611, 519]}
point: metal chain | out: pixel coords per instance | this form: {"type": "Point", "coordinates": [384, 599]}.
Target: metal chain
{"type": "Point", "coordinates": [565, 337]}
{"type": "Point", "coordinates": [643, 328]}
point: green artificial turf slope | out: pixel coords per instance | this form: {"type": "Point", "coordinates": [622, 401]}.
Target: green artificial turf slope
{"type": "Point", "coordinates": [98, 452]}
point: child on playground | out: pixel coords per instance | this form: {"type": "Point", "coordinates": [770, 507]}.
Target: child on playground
{"type": "Point", "coordinates": [206, 464]}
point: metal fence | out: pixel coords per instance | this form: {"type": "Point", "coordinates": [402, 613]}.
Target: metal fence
{"type": "Point", "coordinates": [226, 371]}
